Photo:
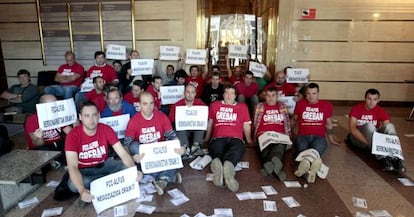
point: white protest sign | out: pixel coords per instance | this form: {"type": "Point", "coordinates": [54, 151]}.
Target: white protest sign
{"type": "Point", "coordinates": [142, 66]}
{"type": "Point", "coordinates": [171, 94]}
{"type": "Point", "coordinates": [169, 53]}
{"type": "Point", "coordinates": [196, 56]}
{"type": "Point", "coordinates": [115, 52]}
{"type": "Point", "coordinates": [118, 123]}
{"type": "Point", "coordinates": [160, 156]}
{"type": "Point", "coordinates": [87, 85]}
{"type": "Point", "coordinates": [191, 118]}
{"type": "Point", "coordinates": [57, 114]}
{"type": "Point", "coordinates": [289, 101]}
{"type": "Point", "coordinates": [386, 145]}
{"type": "Point", "coordinates": [238, 51]}
{"type": "Point", "coordinates": [258, 69]}
{"type": "Point", "coordinates": [270, 137]}
{"type": "Point", "coordinates": [296, 75]}
{"type": "Point", "coordinates": [114, 189]}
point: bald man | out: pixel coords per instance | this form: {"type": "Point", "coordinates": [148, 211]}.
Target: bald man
{"type": "Point", "coordinates": [38, 139]}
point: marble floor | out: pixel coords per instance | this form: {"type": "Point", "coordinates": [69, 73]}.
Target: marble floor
{"type": "Point", "coordinates": [352, 173]}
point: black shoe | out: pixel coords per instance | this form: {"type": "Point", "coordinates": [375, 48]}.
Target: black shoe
{"type": "Point", "coordinates": [62, 191]}
{"type": "Point", "coordinates": [398, 165]}
{"type": "Point", "coordinates": [348, 139]}
{"type": "Point", "coordinates": [386, 163]}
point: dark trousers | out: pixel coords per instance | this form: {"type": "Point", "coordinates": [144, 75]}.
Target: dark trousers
{"type": "Point", "coordinates": [272, 150]}
{"type": "Point", "coordinates": [231, 149]}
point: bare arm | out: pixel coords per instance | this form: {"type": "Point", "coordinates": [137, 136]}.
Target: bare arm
{"type": "Point", "coordinates": [354, 130]}
{"type": "Point", "coordinates": [209, 130]}
{"type": "Point", "coordinates": [329, 128]}
{"type": "Point", "coordinates": [66, 78]}
{"type": "Point", "coordinates": [247, 129]}
{"type": "Point", "coordinates": [7, 95]}
{"type": "Point", "coordinates": [123, 154]}
{"type": "Point", "coordinates": [37, 137]}
{"type": "Point", "coordinates": [229, 72]}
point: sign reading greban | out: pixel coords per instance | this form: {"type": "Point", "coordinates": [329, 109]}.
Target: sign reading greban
{"type": "Point", "coordinates": [238, 51]}
{"type": "Point", "coordinates": [296, 75]}
{"type": "Point", "coordinates": [115, 189]}
{"type": "Point", "coordinates": [386, 145]}
{"type": "Point", "coordinates": [160, 156]}
{"type": "Point", "coordinates": [142, 66]}
{"type": "Point", "coordinates": [258, 69]}
{"type": "Point", "coordinates": [191, 118]}
{"type": "Point", "coordinates": [117, 123]}
{"type": "Point", "coordinates": [169, 53]}
{"type": "Point", "coordinates": [196, 56]}
{"type": "Point", "coordinates": [171, 94]}
{"type": "Point", "coordinates": [116, 52]}
{"type": "Point", "coordinates": [57, 114]}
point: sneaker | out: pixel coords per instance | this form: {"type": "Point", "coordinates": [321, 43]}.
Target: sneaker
{"type": "Point", "coordinates": [55, 165]}
{"type": "Point", "coordinates": [196, 150]}
{"type": "Point", "coordinates": [398, 165]}
{"type": "Point", "coordinates": [187, 153]}
{"type": "Point", "coordinates": [386, 164]}
{"type": "Point", "coordinates": [303, 168]}
{"type": "Point", "coordinates": [316, 165]}
{"type": "Point", "coordinates": [277, 163]}
{"type": "Point", "coordinates": [229, 173]}
{"type": "Point", "coordinates": [62, 191]}
{"type": "Point", "coordinates": [268, 167]}
{"type": "Point", "coordinates": [348, 139]}
{"type": "Point", "coordinates": [217, 170]}
{"type": "Point", "coordinates": [82, 203]}
{"type": "Point", "coordinates": [281, 175]}
{"type": "Point", "coordinates": [160, 185]}
{"type": "Point", "coordinates": [178, 178]}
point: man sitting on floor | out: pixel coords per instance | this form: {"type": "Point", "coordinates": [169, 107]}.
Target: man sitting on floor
{"type": "Point", "coordinates": [364, 119]}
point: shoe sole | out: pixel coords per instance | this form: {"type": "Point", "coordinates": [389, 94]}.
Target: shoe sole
{"type": "Point", "coordinates": [303, 168]}
{"type": "Point", "coordinates": [217, 170]}
{"type": "Point", "coordinates": [268, 167]}
{"type": "Point", "coordinates": [228, 171]}
{"type": "Point", "coordinates": [281, 175]}
{"type": "Point", "coordinates": [277, 164]}
{"type": "Point", "coordinates": [316, 165]}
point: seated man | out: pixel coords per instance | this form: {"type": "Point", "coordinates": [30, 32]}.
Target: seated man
{"type": "Point", "coordinates": [97, 94]}
{"type": "Point", "coordinates": [149, 126]}
{"type": "Point", "coordinates": [22, 97]}
{"type": "Point", "coordinates": [313, 119]}
{"type": "Point", "coordinates": [70, 77]}
{"type": "Point", "coordinates": [183, 136]}
{"type": "Point", "coordinates": [228, 120]}
{"type": "Point", "coordinates": [132, 97]}
{"type": "Point", "coordinates": [247, 91]}
{"type": "Point", "coordinates": [86, 149]}
{"type": "Point", "coordinates": [283, 88]}
{"type": "Point", "coordinates": [38, 139]}
{"type": "Point", "coordinates": [213, 91]}
{"type": "Point", "coordinates": [196, 78]}
{"type": "Point", "coordinates": [364, 119]}
{"type": "Point", "coordinates": [179, 78]}
{"type": "Point", "coordinates": [116, 106]}
{"type": "Point", "coordinates": [154, 90]}
{"type": "Point", "coordinates": [272, 116]}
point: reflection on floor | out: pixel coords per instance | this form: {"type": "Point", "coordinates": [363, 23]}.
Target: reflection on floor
{"type": "Point", "coordinates": [352, 173]}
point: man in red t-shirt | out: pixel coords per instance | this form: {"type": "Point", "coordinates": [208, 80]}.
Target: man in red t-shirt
{"type": "Point", "coordinates": [149, 126]}
{"type": "Point", "coordinates": [132, 97]}
{"type": "Point", "coordinates": [38, 139]}
{"type": "Point", "coordinates": [154, 90]}
{"type": "Point", "coordinates": [247, 91]}
{"type": "Point", "coordinates": [313, 119]}
{"type": "Point", "coordinates": [236, 76]}
{"type": "Point", "coordinates": [86, 149]}
{"type": "Point", "coordinates": [107, 72]}
{"type": "Point", "coordinates": [189, 100]}
{"type": "Point", "coordinates": [70, 77]}
{"type": "Point", "coordinates": [196, 79]}
{"type": "Point", "coordinates": [228, 120]}
{"type": "Point", "coordinates": [283, 88]}
{"type": "Point", "coordinates": [97, 94]}
{"type": "Point", "coordinates": [272, 116]}
{"type": "Point", "coordinates": [366, 118]}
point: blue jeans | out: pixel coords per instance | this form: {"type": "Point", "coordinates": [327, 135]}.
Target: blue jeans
{"type": "Point", "coordinates": [59, 90]}
{"type": "Point", "coordinates": [318, 143]}
{"type": "Point", "coordinates": [80, 98]}
{"type": "Point", "coordinates": [89, 174]}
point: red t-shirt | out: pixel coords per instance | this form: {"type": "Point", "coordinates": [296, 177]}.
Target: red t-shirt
{"type": "Point", "coordinates": [98, 99]}
{"type": "Point", "coordinates": [197, 82]}
{"type": "Point", "coordinates": [376, 116]}
{"type": "Point", "coordinates": [312, 117]}
{"type": "Point", "coordinates": [133, 101]}
{"type": "Point", "coordinates": [148, 131]}
{"type": "Point", "coordinates": [157, 96]}
{"type": "Point", "coordinates": [272, 120]}
{"type": "Point", "coordinates": [91, 150]}
{"type": "Point", "coordinates": [247, 91]}
{"type": "Point", "coordinates": [228, 120]}
{"type": "Point", "coordinates": [49, 136]}
{"type": "Point", "coordinates": [234, 80]}
{"type": "Point", "coordinates": [76, 68]}
{"type": "Point", "coordinates": [182, 102]}
{"type": "Point", "coordinates": [107, 72]}
{"type": "Point", "coordinates": [285, 90]}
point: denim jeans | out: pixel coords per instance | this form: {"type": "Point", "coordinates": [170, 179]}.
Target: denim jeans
{"type": "Point", "coordinates": [230, 149]}
{"type": "Point", "coordinates": [304, 142]}
{"type": "Point", "coordinates": [63, 91]}
{"type": "Point", "coordinates": [184, 135]}
{"type": "Point", "coordinates": [89, 174]}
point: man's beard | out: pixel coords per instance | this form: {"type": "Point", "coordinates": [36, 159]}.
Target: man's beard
{"type": "Point", "coordinates": [116, 107]}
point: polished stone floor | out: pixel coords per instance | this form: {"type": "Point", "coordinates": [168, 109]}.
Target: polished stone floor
{"type": "Point", "coordinates": [352, 173]}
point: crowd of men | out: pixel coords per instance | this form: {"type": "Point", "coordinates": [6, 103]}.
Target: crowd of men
{"type": "Point", "coordinates": [239, 116]}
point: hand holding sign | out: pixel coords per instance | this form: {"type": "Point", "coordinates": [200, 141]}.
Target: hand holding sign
{"type": "Point", "coordinates": [161, 156]}
{"type": "Point", "coordinates": [138, 157]}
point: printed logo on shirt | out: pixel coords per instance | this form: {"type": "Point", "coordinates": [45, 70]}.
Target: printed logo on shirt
{"type": "Point", "coordinates": [226, 115]}
{"type": "Point", "coordinates": [92, 150]}
{"type": "Point", "coordinates": [273, 116]}
{"type": "Point", "coordinates": [96, 73]}
{"type": "Point", "coordinates": [51, 135]}
{"type": "Point", "coordinates": [149, 135]}
{"type": "Point", "coordinates": [312, 115]}
{"type": "Point", "coordinates": [194, 83]}
{"type": "Point", "coordinates": [366, 119]}
{"type": "Point", "coordinates": [67, 72]}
